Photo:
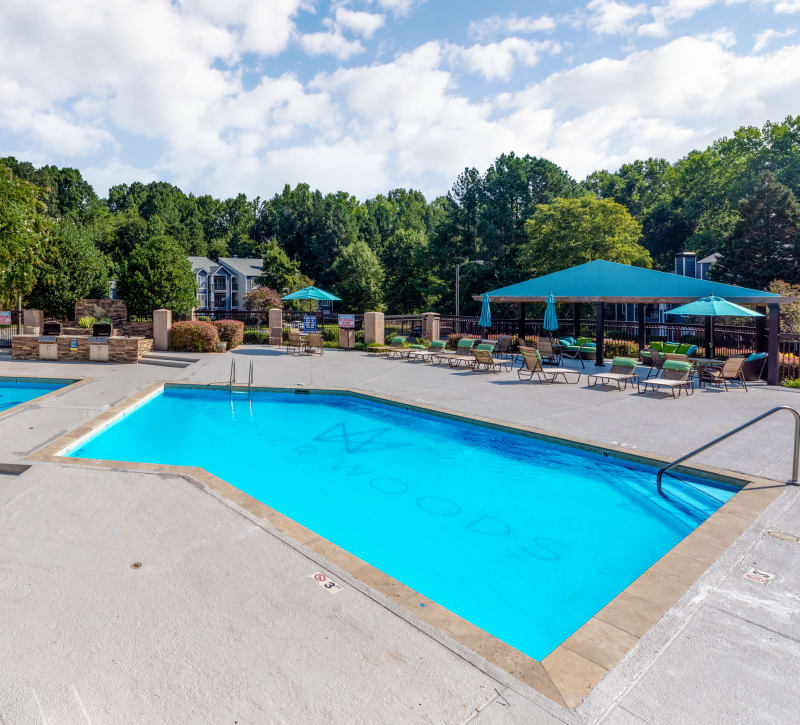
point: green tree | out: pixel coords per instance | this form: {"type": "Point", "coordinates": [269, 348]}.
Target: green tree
{"type": "Point", "coordinates": [569, 232]}
{"type": "Point", "coordinates": [278, 271]}
{"type": "Point", "coordinates": [411, 285]}
{"type": "Point", "coordinates": [23, 232]}
{"type": "Point", "coordinates": [72, 268]}
{"type": "Point", "coordinates": [358, 278]}
{"type": "Point", "coordinates": [765, 244]}
{"type": "Point", "coordinates": [156, 275]}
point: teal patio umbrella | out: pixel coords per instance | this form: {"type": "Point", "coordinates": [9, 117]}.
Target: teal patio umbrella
{"type": "Point", "coordinates": [713, 306]}
{"type": "Point", "coordinates": [486, 313]}
{"type": "Point", "coordinates": [550, 319]}
{"type": "Point", "coordinates": [311, 293]}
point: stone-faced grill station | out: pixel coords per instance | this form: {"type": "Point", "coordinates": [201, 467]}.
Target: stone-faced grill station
{"type": "Point", "coordinates": [105, 342]}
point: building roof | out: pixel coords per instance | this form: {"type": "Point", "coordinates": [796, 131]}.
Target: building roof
{"type": "Point", "coordinates": [248, 266]}
{"type": "Point", "coordinates": [602, 281]}
{"type": "Point", "coordinates": [710, 259]}
{"type": "Point", "coordinates": [203, 263]}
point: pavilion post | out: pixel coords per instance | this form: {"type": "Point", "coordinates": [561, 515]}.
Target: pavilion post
{"type": "Point", "coordinates": [710, 338]}
{"type": "Point", "coordinates": [600, 317]}
{"type": "Point", "coordinates": [576, 320]}
{"type": "Point", "coordinates": [640, 329]}
{"type": "Point", "coordinates": [773, 373]}
{"type": "Point", "coordinates": [521, 333]}
{"type": "Point", "coordinates": [761, 330]}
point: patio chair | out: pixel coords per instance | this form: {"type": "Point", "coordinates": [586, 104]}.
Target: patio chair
{"type": "Point", "coordinates": [461, 356]}
{"type": "Point", "coordinates": [314, 343]}
{"type": "Point", "coordinates": [583, 349]}
{"type": "Point", "coordinates": [549, 353]}
{"type": "Point", "coordinates": [622, 371]}
{"type": "Point", "coordinates": [674, 377]}
{"type": "Point", "coordinates": [294, 341]}
{"type": "Point", "coordinates": [532, 365]}
{"type": "Point", "coordinates": [657, 360]}
{"type": "Point", "coordinates": [503, 346]}
{"type": "Point", "coordinates": [731, 370]}
{"type": "Point", "coordinates": [753, 367]}
{"type": "Point", "coordinates": [397, 347]}
{"type": "Point", "coordinates": [484, 359]}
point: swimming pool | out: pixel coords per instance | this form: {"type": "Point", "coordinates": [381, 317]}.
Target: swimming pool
{"type": "Point", "coordinates": [524, 538]}
{"type": "Point", "coordinates": [14, 391]}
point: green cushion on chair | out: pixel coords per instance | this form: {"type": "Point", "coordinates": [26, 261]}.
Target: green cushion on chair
{"type": "Point", "coordinates": [485, 346]}
{"type": "Point", "coordinates": [417, 347]}
{"type": "Point", "coordinates": [565, 341]}
{"type": "Point", "coordinates": [583, 340]}
{"type": "Point", "coordinates": [465, 342]}
{"type": "Point", "coordinates": [676, 365]}
{"type": "Point", "coordinates": [671, 347]}
{"type": "Point", "coordinates": [657, 346]}
{"type": "Point", "coordinates": [627, 362]}
{"type": "Point", "coordinates": [438, 345]}
{"type": "Point", "coordinates": [683, 348]}
{"type": "Point", "coordinates": [397, 340]}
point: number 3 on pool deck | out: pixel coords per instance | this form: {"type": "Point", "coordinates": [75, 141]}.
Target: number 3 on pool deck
{"type": "Point", "coordinates": [323, 581]}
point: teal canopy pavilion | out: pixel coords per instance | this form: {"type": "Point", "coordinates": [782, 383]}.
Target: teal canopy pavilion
{"type": "Point", "coordinates": [601, 282]}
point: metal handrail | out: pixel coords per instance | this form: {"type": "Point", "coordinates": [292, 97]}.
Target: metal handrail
{"type": "Point", "coordinates": [795, 459]}
{"type": "Point", "coordinates": [250, 377]}
{"type": "Point", "coordinates": [232, 378]}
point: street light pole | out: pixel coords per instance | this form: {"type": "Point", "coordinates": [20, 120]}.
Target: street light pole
{"type": "Point", "coordinates": [458, 281]}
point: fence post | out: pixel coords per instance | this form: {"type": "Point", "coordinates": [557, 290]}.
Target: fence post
{"type": "Point", "coordinates": [374, 328]}
{"type": "Point", "coordinates": [162, 323]}
{"type": "Point", "coordinates": [773, 373]}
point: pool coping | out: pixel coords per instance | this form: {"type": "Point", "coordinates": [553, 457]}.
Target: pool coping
{"type": "Point", "coordinates": [572, 669]}
{"type": "Point", "coordinates": [71, 384]}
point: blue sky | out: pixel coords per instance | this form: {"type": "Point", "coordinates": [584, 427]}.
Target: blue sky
{"type": "Point", "coordinates": [368, 95]}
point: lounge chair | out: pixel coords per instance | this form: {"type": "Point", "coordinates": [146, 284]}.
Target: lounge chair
{"type": "Point", "coordinates": [295, 341]}
{"type": "Point", "coordinates": [314, 342]}
{"type": "Point", "coordinates": [549, 353]}
{"type": "Point", "coordinates": [674, 376]}
{"type": "Point", "coordinates": [484, 359]}
{"type": "Point", "coordinates": [582, 349]}
{"type": "Point", "coordinates": [427, 354]}
{"type": "Point", "coordinates": [623, 370]}
{"type": "Point", "coordinates": [532, 365]}
{"type": "Point", "coordinates": [397, 347]}
{"type": "Point", "coordinates": [732, 369]}
{"type": "Point", "coordinates": [657, 360]}
{"type": "Point", "coordinates": [461, 356]}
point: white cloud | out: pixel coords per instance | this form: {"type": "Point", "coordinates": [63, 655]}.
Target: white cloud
{"type": "Point", "coordinates": [365, 24]}
{"type": "Point", "coordinates": [496, 26]}
{"type": "Point", "coordinates": [495, 61]}
{"type": "Point", "coordinates": [610, 17]}
{"type": "Point", "coordinates": [766, 37]}
{"type": "Point", "coordinates": [330, 44]}
{"type": "Point", "coordinates": [114, 172]}
{"type": "Point", "coordinates": [670, 12]}
{"type": "Point", "coordinates": [398, 7]}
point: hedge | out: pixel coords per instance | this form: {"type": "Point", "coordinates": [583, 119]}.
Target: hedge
{"type": "Point", "coordinates": [193, 336]}
{"type": "Point", "coordinates": [230, 331]}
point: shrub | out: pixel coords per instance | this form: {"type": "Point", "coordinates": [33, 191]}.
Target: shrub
{"type": "Point", "coordinates": [256, 337]}
{"type": "Point", "coordinates": [230, 331]}
{"type": "Point", "coordinates": [193, 337]}
{"type": "Point", "coordinates": [87, 321]}
{"type": "Point", "coordinates": [330, 333]}
{"type": "Point", "coordinates": [621, 348]}
{"type": "Point", "coordinates": [262, 299]}
{"type": "Point", "coordinates": [203, 318]}
{"type": "Point", "coordinates": [791, 383]}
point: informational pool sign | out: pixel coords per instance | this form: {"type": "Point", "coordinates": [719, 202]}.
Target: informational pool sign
{"type": "Point", "coordinates": [5, 317]}
{"type": "Point", "coordinates": [309, 323]}
{"type": "Point", "coordinates": [347, 322]}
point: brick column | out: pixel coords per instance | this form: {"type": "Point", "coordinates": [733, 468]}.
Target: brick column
{"type": "Point", "coordinates": [373, 328]}
{"type": "Point", "coordinates": [162, 323]}
{"type": "Point", "coordinates": [430, 325]}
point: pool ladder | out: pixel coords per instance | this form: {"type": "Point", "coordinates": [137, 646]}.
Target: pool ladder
{"type": "Point", "coordinates": [724, 436]}
{"type": "Point", "coordinates": [232, 377]}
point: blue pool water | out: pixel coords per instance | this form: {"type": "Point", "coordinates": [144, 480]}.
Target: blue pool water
{"type": "Point", "coordinates": [523, 538]}
{"type": "Point", "coordinates": [14, 391]}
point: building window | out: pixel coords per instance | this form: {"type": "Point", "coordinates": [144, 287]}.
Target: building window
{"type": "Point", "coordinates": [235, 284]}
{"type": "Point", "coordinates": [235, 301]}
{"type": "Point", "coordinates": [219, 300]}
{"type": "Point", "coordinates": [219, 283]}
{"type": "Point", "coordinates": [251, 283]}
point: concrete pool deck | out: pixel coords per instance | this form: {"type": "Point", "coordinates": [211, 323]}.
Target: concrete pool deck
{"type": "Point", "coordinates": [222, 622]}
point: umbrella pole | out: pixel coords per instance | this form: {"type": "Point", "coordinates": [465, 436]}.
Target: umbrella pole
{"type": "Point", "coordinates": [711, 351]}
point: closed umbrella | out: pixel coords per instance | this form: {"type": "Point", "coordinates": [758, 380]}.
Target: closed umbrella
{"type": "Point", "coordinates": [550, 319]}
{"type": "Point", "coordinates": [713, 306]}
{"type": "Point", "coordinates": [486, 313]}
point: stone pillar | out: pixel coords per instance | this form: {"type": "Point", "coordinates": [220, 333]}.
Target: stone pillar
{"type": "Point", "coordinates": [162, 323]}
{"type": "Point", "coordinates": [275, 318]}
{"type": "Point", "coordinates": [33, 318]}
{"type": "Point", "coordinates": [373, 328]}
{"type": "Point", "coordinates": [430, 325]}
